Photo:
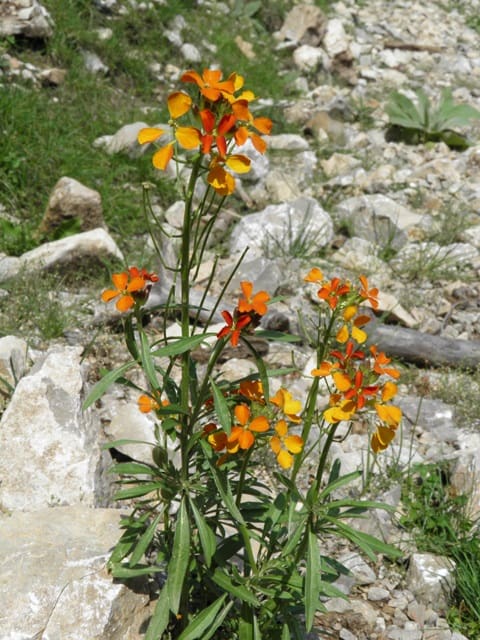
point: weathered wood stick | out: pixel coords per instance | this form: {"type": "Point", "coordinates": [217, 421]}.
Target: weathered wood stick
{"type": "Point", "coordinates": [423, 348]}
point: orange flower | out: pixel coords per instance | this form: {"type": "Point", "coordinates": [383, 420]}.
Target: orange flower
{"type": "Point", "coordinates": [332, 291]}
{"type": "Point", "coordinates": [253, 390]}
{"type": "Point", "coordinates": [283, 445]}
{"type": "Point", "coordinates": [125, 289]}
{"type": "Point", "coordinates": [211, 84]}
{"type": "Point", "coordinates": [381, 438]}
{"type": "Point", "coordinates": [352, 388]}
{"type": "Point", "coordinates": [221, 180]}
{"type": "Point", "coordinates": [380, 360]}
{"type": "Point", "coordinates": [339, 410]}
{"type": "Point", "coordinates": [356, 333]}
{"type": "Point", "coordinates": [290, 407]}
{"type": "Point", "coordinates": [371, 295]}
{"type": "Point", "coordinates": [215, 133]}
{"type": "Point", "coordinates": [188, 137]}
{"type": "Point", "coordinates": [216, 437]}
{"type": "Point", "coordinates": [234, 326]}
{"type": "Point", "coordinates": [314, 275]}
{"type": "Point", "coordinates": [147, 404]}
{"type": "Point", "coordinates": [256, 304]}
{"type": "Point", "coordinates": [142, 273]}
{"type": "Point", "coordinates": [241, 436]}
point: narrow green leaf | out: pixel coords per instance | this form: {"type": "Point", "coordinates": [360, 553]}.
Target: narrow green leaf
{"type": "Point", "coordinates": [294, 538]}
{"type": "Point", "coordinates": [312, 580]}
{"type": "Point", "coordinates": [161, 616]}
{"type": "Point", "coordinates": [180, 345]}
{"type": "Point", "coordinates": [221, 408]}
{"type": "Point", "coordinates": [223, 488]}
{"type": "Point", "coordinates": [144, 541]}
{"type": "Point", "coordinates": [207, 537]}
{"type": "Point", "coordinates": [285, 632]}
{"type": "Point", "coordinates": [367, 543]}
{"type": "Point", "coordinates": [237, 590]}
{"type": "Point", "coordinates": [177, 567]}
{"type": "Point", "coordinates": [138, 490]}
{"type": "Point", "coordinates": [148, 365]}
{"type": "Point", "coordinates": [132, 469]}
{"type": "Point", "coordinates": [204, 625]}
{"type": "Point", "coordinates": [124, 572]}
{"type": "Point", "coordinates": [336, 484]}
{"type": "Point", "coordinates": [102, 385]}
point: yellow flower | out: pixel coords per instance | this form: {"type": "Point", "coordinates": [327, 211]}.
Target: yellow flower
{"type": "Point", "coordinates": [283, 445]}
{"type": "Point", "coordinates": [290, 407]}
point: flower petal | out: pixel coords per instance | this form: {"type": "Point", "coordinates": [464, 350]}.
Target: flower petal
{"type": "Point", "coordinates": [246, 439]}
{"type": "Point", "coordinates": [284, 459]}
{"type": "Point", "coordinates": [239, 163]}
{"type": "Point", "coordinates": [162, 157]}
{"type": "Point", "coordinates": [293, 443]}
{"type": "Point", "coordinates": [149, 134]}
{"type": "Point", "coordinates": [314, 275]}
{"type": "Point", "coordinates": [109, 294]}
{"type": "Point", "coordinates": [125, 303]}
{"type": "Point", "coordinates": [259, 424]}
{"type": "Point", "coordinates": [120, 280]}
{"type": "Point", "coordinates": [242, 413]}
{"type": "Point", "coordinates": [179, 104]}
{"type": "Point", "coordinates": [188, 137]}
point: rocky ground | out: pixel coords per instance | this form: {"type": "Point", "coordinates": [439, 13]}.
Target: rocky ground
{"type": "Point", "coordinates": [405, 215]}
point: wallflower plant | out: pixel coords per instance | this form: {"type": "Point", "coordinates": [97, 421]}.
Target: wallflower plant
{"type": "Point", "coordinates": [230, 556]}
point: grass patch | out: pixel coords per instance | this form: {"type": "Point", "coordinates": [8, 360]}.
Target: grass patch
{"type": "Point", "coordinates": [438, 520]}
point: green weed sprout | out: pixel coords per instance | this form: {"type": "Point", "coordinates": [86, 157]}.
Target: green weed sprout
{"type": "Point", "coordinates": [231, 557]}
{"type": "Point", "coordinates": [422, 122]}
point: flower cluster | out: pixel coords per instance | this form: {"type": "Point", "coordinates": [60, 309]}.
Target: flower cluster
{"type": "Point", "coordinates": [362, 380]}
{"type": "Point", "coordinates": [251, 307]}
{"type": "Point", "coordinates": [131, 287]}
{"type": "Point", "coordinates": [218, 120]}
{"type": "Point", "coordinates": [254, 416]}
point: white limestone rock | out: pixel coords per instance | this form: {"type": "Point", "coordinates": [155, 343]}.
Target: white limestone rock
{"type": "Point", "coordinates": [430, 579]}
{"type": "Point", "coordinates": [279, 225]}
{"type": "Point", "coordinates": [53, 579]}
{"type": "Point", "coordinates": [50, 447]}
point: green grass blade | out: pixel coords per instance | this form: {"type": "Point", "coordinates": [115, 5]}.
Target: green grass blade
{"type": "Point", "coordinates": [237, 590]}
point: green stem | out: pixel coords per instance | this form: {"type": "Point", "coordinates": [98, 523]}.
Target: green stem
{"type": "Point", "coordinates": [185, 315]}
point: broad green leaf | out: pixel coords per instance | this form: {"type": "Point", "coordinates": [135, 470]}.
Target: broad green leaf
{"type": "Point", "coordinates": [207, 537]}
{"type": "Point", "coordinates": [102, 385]}
{"type": "Point", "coordinates": [424, 108]}
{"type": "Point", "coordinates": [221, 408]}
{"type": "Point", "coordinates": [204, 625]}
{"type": "Point", "coordinates": [180, 345]}
{"type": "Point", "coordinates": [237, 590]}
{"type": "Point", "coordinates": [161, 616]}
{"type": "Point", "coordinates": [312, 580]}
{"type": "Point", "coordinates": [403, 112]}
{"type": "Point", "coordinates": [138, 490]}
{"type": "Point", "coordinates": [178, 565]}
{"type": "Point", "coordinates": [144, 541]}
